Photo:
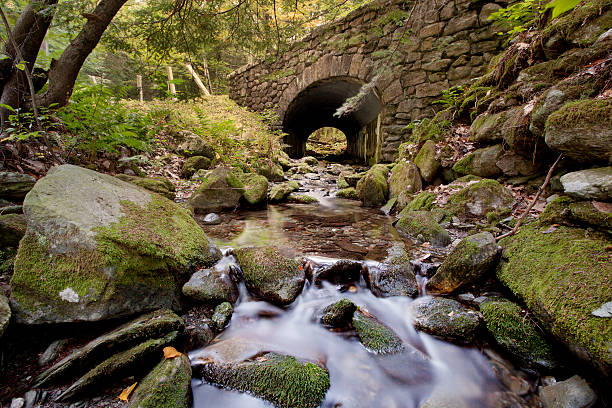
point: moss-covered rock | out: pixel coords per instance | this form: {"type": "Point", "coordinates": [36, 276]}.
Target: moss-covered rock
{"type": "Point", "coordinates": [212, 285]}
{"type": "Point", "coordinates": [405, 176]}
{"type": "Point", "coordinates": [220, 190]}
{"type": "Point", "coordinates": [348, 179]}
{"type": "Point", "coordinates": [270, 275]}
{"type": "Point", "coordinates": [98, 248]}
{"type": "Point", "coordinates": [584, 212]}
{"type": "Point", "coordinates": [15, 185]}
{"type": "Point", "coordinates": [7, 260]}
{"type": "Point", "coordinates": [372, 188]}
{"type": "Point", "coordinates": [582, 130]}
{"type": "Point", "coordinates": [222, 316]}
{"type": "Point", "coordinates": [415, 223]}
{"type": "Point", "coordinates": [348, 193]}
{"type": "Point", "coordinates": [194, 145]}
{"type": "Point", "coordinates": [587, 184]}
{"type": "Point", "coordinates": [281, 191]}
{"type": "Point", "coordinates": [159, 185]}
{"type": "Point", "coordinates": [487, 128]}
{"type": "Point", "coordinates": [255, 189]}
{"type": "Point", "coordinates": [339, 314]}
{"type": "Point", "coordinates": [168, 385]}
{"type": "Point", "coordinates": [422, 201]}
{"type": "Point", "coordinates": [393, 277]}
{"type": "Point", "coordinates": [375, 336]}
{"type": "Point", "coordinates": [270, 170]}
{"type": "Point", "coordinates": [445, 318]}
{"type": "Point", "coordinates": [562, 276]}
{"type": "Point", "coordinates": [481, 162]}
{"type": "Point", "coordinates": [469, 261]}
{"type": "Point", "coordinates": [5, 312]}
{"type": "Point", "coordinates": [193, 164]}
{"type": "Point", "coordinates": [516, 333]}
{"type": "Point", "coordinates": [12, 229]}
{"type": "Point", "coordinates": [480, 198]}
{"type": "Point", "coordinates": [302, 199]}
{"type": "Point", "coordinates": [426, 161]}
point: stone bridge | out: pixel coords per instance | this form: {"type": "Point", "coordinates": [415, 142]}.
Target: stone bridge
{"type": "Point", "coordinates": [407, 52]}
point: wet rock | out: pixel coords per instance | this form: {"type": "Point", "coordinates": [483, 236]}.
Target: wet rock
{"type": "Point", "coordinates": [281, 191]}
{"type": "Point", "coordinates": [17, 403]}
{"type": "Point", "coordinates": [562, 275]}
{"type": "Point", "coordinates": [393, 277]}
{"type": "Point", "coordinates": [198, 334]}
{"type": "Point", "coordinates": [604, 310]}
{"type": "Point", "coordinates": [220, 190]}
{"type": "Point", "coordinates": [389, 206]}
{"type": "Point", "coordinates": [270, 275]}
{"type": "Point", "coordinates": [193, 164]}
{"type": "Point", "coordinates": [375, 336]}
{"type": "Point", "coordinates": [52, 352]}
{"type": "Point", "coordinates": [151, 325]}
{"type": "Point", "coordinates": [103, 248]}
{"type": "Point", "coordinates": [442, 398]}
{"type": "Point", "coordinates": [516, 333]}
{"type": "Point", "coordinates": [405, 176]}
{"type": "Point", "coordinates": [212, 219]}
{"type": "Point", "coordinates": [194, 145]}
{"type": "Point", "coordinates": [301, 199]}
{"type": "Point", "coordinates": [348, 179]}
{"type": "Point", "coordinates": [339, 314]}
{"type": "Point", "coordinates": [481, 162]}
{"type": "Point", "coordinates": [589, 184]}
{"type": "Point", "coordinates": [222, 316]}
{"type": "Point", "coordinates": [480, 198]}
{"type": "Point", "coordinates": [340, 272]}
{"type": "Point", "coordinates": [117, 366]}
{"type": "Point", "coordinates": [372, 188]}
{"type": "Point", "coordinates": [168, 385]}
{"type": "Point", "coordinates": [348, 193]}
{"type": "Point", "coordinates": [12, 229]}
{"type": "Point", "coordinates": [571, 393]}
{"type": "Point", "coordinates": [255, 189]}
{"type": "Point", "coordinates": [159, 185]}
{"type": "Point", "coordinates": [270, 170]}
{"type": "Point", "coordinates": [213, 285]}
{"type": "Point", "coordinates": [283, 380]}
{"type": "Point", "coordinates": [30, 398]}
{"type": "Point", "coordinates": [426, 161]}
{"type": "Point", "coordinates": [469, 261]}
{"type": "Point", "coordinates": [416, 223]}
{"type": "Point", "coordinates": [15, 185]}
{"type": "Point", "coordinates": [445, 318]}
{"type": "Point", "coordinates": [582, 130]}
{"type": "Point", "coordinates": [311, 161]}
{"type": "Point", "coordinates": [5, 312]}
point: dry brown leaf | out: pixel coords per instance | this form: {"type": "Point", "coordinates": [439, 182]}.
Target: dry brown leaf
{"type": "Point", "coordinates": [602, 207]}
{"type": "Point", "coordinates": [125, 394]}
{"type": "Point", "coordinates": [171, 352]}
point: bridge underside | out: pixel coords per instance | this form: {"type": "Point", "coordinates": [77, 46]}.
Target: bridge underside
{"type": "Point", "coordinates": [314, 108]}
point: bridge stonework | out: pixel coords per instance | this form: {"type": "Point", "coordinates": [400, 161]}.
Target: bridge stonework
{"type": "Point", "coordinates": [415, 50]}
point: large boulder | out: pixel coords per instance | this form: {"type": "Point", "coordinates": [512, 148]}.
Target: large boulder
{"type": "Point", "coordinates": [372, 188]}
{"type": "Point", "coordinates": [445, 318]}
{"type": "Point", "coordinates": [98, 248]}
{"type": "Point", "coordinates": [481, 162]}
{"type": "Point", "coordinates": [270, 275]}
{"type": "Point", "coordinates": [270, 170]}
{"type": "Point", "coordinates": [426, 161]}
{"type": "Point", "coordinates": [593, 184]}
{"type": "Point", "coordinates": [12, 229]}
{"type": "Point", "coordinates": [168, 385]}
{"type": "Point", "coordinates": [480, 198]}
{"type": "Point", "coordinates": [193, 145]}
{"type": "Point", "coordinates": [348, 179]}
{"type": "Point", "coordinates": [281, 191]}
{"type": "Point", "coordinates": [487, 127]}
{"type": "Point", "coordinates": [582, 130]}
{"type": "Point", "coordinates": [571, 393]}
{"type": "Point", "coordinates": [221, 190]}
{"type": "Point", "coordinates": [255, 189]}
{"type": "Point", "coordinates": [5, 312]}
{"type": "Point", "coordinates": [405, 177]}
{"type": "Point", "coordinates": [212, 285]}
{"type": "Point", "coordinates": [563, 275]}
{"type": "Point", "coordinates": [469, 261]}
{"type": "Point", "coordinates": [193, 164]}
{"type": "Point", "coordinates": [159, 185]}
{"type": "Point", "coordinates": [393, 277]}
{"type": "Point", "coordinates": [415, 223]}
{"type": "Point", "coordinates": [15, 185]}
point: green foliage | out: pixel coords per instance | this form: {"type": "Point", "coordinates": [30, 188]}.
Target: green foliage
{"type": "Point", "coordinates": [22, 123]}
{"type": "Point", "coordinates": [450, 96]}
{"type": "Point", "coordinates": [96, 121]}
{"type": "Point", "coordinates": [519, 16]}
{"type": "Point", "coordinates": [561, 6]}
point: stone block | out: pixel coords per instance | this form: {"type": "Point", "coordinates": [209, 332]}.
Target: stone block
{"type": "Point", "coordinates": [458, 48]}
{"type": "Point", "coordinates": [431, 30]}
{"type": "Point", "coordinates": [434, 89]}
{"type": "Point", "coordinates": [413, 78]}
{"type": "Point", "coordinates": [461, 22]}
{"type": "Point", "coordinates": [438, 65]}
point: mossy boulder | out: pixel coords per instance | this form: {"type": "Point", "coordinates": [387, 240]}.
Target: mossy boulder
{"type": "Point", "coordinates": [255, 189]}
{"type": "Point", "coordinates": [487, 127]}
{"type": "Point", "coordinates": [220, 190]}
{"type": "Point", "coordinates": [348, 179]}
{"type": "Point", "coordinates": [168, 385]}
{"type": "Point", "coordinates": [349, 193]}
{"type": "Point", "coordinates": [393, 277]}
{"type": "Point", "coordinates": [5, 312]}
{"type": "Point", "coordinates": [12, 229]}
{"type": "Point", "coordinates": [283, 380]}
{"type": "Point", "coordinates": [422, 201]}
{"type": "Point", "coordinates": [426, 161]}
{"type": "Point", "coordinates": [193, 164]}
{"type": "Point", "coordinates": [270, 170]}
{"type": "Point", "coordinates": [469, 261]}
{"type": "Point", "coordinates": [516, 333]}
{"type": "Point", "coordinates": [339, 314]}
{"type": "Point", "coordinates": [562, 276]}
{"type": "Point", "coordinates": [582, 130]}
{"type": "Point", "coordinates": [159, 185]}
{"type": "Point", "coordinates": [372, 188]}
{"type": "Point", "coordinates": [15, 185]}
{"type": "Point", "coordinates": [415, 223]}
{"type": "Point", "coordinates": [302, 199]}
{"type": "Point", "coordinates": [270, 275]}
{"type": "Point", "coordinates": [213, 285]}
{"type": "Point", "coordinates": [375, 336]}
{"type": "Point", "coordinates": [573, 392]}
{"type": "Point", "coordinates": [405, 176]}
{"type": "Point", "coordinates": [479, 198]}
{"type": "Point", "coordinates": [585, 212]}
{"type": "Point", "coordinates": [222, 316]}
{"type": "Point", "coordinates": [445, 318]}
{"type": "Point", "coordinates": [98, 248]}
{"type": "Point", "coordinates": [193, 145]}
{"type": "Point", "coordinates": [339, 272]}
{"type": "Point", "coordinates": [280, 192]}
{"type": "Point", "coordinates": [481, 162]}
{"type": "Point", "coordinates": [593, 184]}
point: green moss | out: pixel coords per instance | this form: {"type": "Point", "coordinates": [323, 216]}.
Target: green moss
{"type": "Point", "coordinates": [281, 73]}
{"type": "Point", "coordinates": [563, 276]}
{"type": "Point", "coordinates": [159, 185]}
{"type": "Point", "coordinates": [489, 194]}
{"type": "Point", "coordinates": [584, 212]}
{"type": "Point", "coordinates": [349, 193]}
{"type": "Point", "coordinates": [339, 314]}
{"type": "Point", "coordinates": [222, 315]}
{"type": "Point", "coordinates": [595, 111]}
{"type": "Point", "coordinates": [570, 23]}
{"type": "Point", "coordinates": [301, 199]}
{"type": "Point", "coordinates": [168, 385]}
{"type": "Point", "coordinates": [422, 201]}
{"type": "Point", "coordinates": [464, 166]}
{"type": "Point", "coordinates": [375, 336]}
{"type": "Point", "coordinates": [557, 211]}
{"type": "Point", "coordinates": [417, 223]}
{"type": "Point", "coordinates": [255, 188]}
{"type": "Point", "coordinates": [434, 129]}
{"type": "Point", "coordinates": [513, 330]}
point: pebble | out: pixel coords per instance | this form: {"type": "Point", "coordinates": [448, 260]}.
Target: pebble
{"type": "Point", "coordinates": [30, 398]}
{"type": "Point", "coordinates": [212, 219]}
{"type": "Point", "coordinates": [51, 353]}
{"type": "Point", "coordinates": [17, 403]}
{"type": "Point", "coordinates": [571, 393]}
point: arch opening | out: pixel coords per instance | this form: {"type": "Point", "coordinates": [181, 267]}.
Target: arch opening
{"type": "Point", "coordinates": [314, 108]}
{"type": "Point", "coordinates": [327, 142]}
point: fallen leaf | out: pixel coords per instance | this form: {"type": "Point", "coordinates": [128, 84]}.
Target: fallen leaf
{"type": "Point", "coordinates": [352, 289]}
{"type": "Point", "coordinates": [451, 314]}
{"type": "Point", "coordinates": [365, 312]}
{"type": "Point", "coordinates": [602, 207]}
{"type": "Point", "coordinates": [125, 394]}
{"type": "Point", "coordinates": [171, 352]}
